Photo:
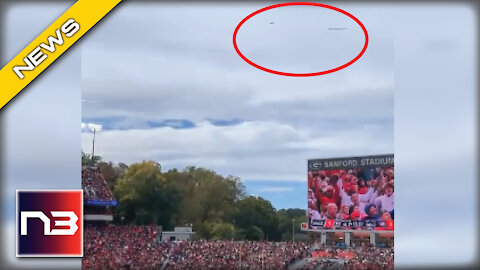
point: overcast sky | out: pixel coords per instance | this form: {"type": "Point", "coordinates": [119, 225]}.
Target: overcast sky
{"type": "Point", "coordinates": [167, 84]}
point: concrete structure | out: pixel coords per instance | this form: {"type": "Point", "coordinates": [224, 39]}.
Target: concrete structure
{"type": "Point", "coordinates": [97, 217]}
{"type": "Point", "coordinates": [374, 237]}
{"type": "Point", "coordinates": [180, 233]}
{"type": "Point", "coordinates": [323, 238]}
{"type": "Point", "coordinates": [347, 239]}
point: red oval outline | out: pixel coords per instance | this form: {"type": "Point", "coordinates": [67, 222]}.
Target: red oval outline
{"type": "Point", "coordinates": [300, 74]}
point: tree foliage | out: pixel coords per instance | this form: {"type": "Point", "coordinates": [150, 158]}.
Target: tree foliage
{"type": "Point", "coordinates": [217, 206]}
{"type": "Point", "coordinates": [253, 233]}
{"type": "Point", "coordinates": [87, 159]}
{"type": "Point", "coordinates": [207, 196]}
{"type": "Point", "coordinates": [223, 231]}
{"type": "Point", "coordinates": [285, 220]}
{"type": "Point", "coordinates": [145, 196]}
{"type": "Point", "coordinates": [111, 173]}
{"type": "Point", "coordinates": [255, 211]}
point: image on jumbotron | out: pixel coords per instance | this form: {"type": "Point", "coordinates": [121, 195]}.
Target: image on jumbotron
{"type": "Point", "coordinates": [351, 193]}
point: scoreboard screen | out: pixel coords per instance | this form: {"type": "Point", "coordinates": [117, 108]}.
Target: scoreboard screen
{"type": "Point", "coordinates": [351, 193]}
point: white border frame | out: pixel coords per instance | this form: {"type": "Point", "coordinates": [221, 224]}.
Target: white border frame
{"type": "Point", "coordinates": [50, 255]}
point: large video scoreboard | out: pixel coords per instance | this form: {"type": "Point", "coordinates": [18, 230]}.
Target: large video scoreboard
{"type": "Point", "coordinates": [351, 193]}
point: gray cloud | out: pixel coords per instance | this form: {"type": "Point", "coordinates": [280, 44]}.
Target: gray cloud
{"type": "Point", "coordinates": [181, 65]}
{"type": "Point", "coordinates": [181, 71]}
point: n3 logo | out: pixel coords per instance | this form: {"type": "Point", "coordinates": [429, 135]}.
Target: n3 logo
{"type": "Point", "coordinates": [49, 223]}
{"type": "Point", "coordinates": [71, 223]}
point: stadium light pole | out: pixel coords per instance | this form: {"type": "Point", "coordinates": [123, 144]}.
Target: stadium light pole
{"type": "Point", "coordinates": [93, 144]}
{"type": "Point", "coordinates": [94, 128]}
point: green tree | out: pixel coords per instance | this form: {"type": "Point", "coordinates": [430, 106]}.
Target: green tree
{"type": "Point", "coordinates": [254, 233]}
{"type": "Point", "coordinates": [286, 217]}
{"type": "Point", "coordinates": [87, 160]}
{"type": "Point", "coordinates": [255, 211]}
{"type": "Point", "coordinates": [223, 231]}
{"type": "Point", "coordinates": [111, 173]}
{"type": "Point", "coordinates": [207, 198]}
{"type": "Point", "coordinates": [203, 230]}
{"type": "Point", "coordinates": [145, 196]}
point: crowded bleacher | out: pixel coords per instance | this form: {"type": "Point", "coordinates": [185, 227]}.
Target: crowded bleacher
{"type": "Point", "coordinates": [94, 185]}
{"type": "Point", "coordinates": [139, 247]}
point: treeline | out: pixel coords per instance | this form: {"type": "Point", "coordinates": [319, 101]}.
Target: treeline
{"type": "Point", "coordinates": [216, 206]}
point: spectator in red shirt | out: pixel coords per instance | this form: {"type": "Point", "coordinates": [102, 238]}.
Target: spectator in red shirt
{"type": "Point", "coordinates": [362, 186]}
{"type": "Point", "coordinates": [327, 197]}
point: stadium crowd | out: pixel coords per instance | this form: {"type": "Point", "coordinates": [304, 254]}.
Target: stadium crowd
{"type": "Point", "coordinates": [358, 194]}
{"type": "Point", "coordinates": [355, 258]}
{"type": "Point", "coordinates": [370, 258]}
{"type": "Point", "coordinates": [234, 255]}
{"type": "Point", "coordinates": [94, 185]}
{"type": "Point", "coordinates": [122, 247]}
{"type": "Point", "coordinates": [139, 247]}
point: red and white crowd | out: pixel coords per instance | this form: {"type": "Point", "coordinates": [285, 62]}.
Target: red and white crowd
{"type": "Point", "coordinates": [138, 247]}
{"type": "Point", "coordinates": [357, 194]}
{"type": "Point", "coordinates": [355, 258]}
{"type": "Point", "coordinates": [94, 185]}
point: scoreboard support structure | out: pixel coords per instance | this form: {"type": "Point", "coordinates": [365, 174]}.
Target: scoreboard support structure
{"type": "Point", "coordinates": [373, 235]}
